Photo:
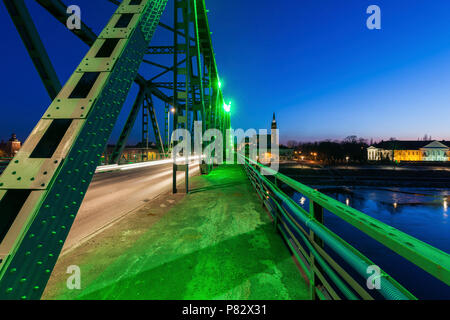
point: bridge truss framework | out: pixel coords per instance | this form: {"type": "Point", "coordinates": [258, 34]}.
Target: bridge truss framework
{"type": "Point", "coordinates": [42, 188]}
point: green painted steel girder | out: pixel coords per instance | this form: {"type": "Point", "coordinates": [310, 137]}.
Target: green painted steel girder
{"type": "Point", "coordinates": [43, 187]}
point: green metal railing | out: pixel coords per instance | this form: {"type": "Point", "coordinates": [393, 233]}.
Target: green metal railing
{"type": "Point", "coordinates": [313, 244]}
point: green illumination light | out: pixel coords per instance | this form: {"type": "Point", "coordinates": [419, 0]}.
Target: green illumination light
{"type": "Point", "coordinates": [227, 107]}
{"type": "Point", "coordinates": [220, 84]}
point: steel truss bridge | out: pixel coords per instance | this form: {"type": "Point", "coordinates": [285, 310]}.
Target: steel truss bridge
{"type": "Point", "coordinates": [42, 188]}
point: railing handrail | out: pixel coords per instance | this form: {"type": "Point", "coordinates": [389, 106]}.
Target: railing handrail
{"type": "Point", "coordinates": [432, 260]}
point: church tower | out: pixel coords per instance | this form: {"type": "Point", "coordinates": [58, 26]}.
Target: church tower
{"type": "Point", "coordinates": [274, 132]}
{"type": "Point", "coordinates": [12, 146]}
{"type": "Point", "coordinates": [274, 122]}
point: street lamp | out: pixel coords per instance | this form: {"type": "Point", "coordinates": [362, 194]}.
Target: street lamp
{"type": "Point", "coordinates": [171, 110]}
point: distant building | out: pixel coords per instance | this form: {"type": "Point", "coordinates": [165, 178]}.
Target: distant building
{"type": "Point", "coordinates": [10, 147]}
{"type": "Point", "coordinates": [274, 138]}
{"type": "Point", "coordinates": [286, 153]}
{"type": "Point", "coordinates": [133, 154]}
{"type": "Point", "coordinates": [270, 141]}
{"type": "Point", "coordinates": [273, 142]}
{"type": "Point", "coordinates": [410, 151]}
{"type": "Point", "coordinates": [2, 149]}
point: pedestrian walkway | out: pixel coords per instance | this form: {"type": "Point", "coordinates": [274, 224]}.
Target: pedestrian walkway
{"type": "Point", "coordinates": [215, 243]}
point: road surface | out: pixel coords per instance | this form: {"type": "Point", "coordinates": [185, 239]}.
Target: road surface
{"type": "Point", "coordinates": [111, 195]}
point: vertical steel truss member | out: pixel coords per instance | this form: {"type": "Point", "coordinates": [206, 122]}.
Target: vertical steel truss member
{"type": "Point", "coordinates": [145, 101]}
{"type": "Point", "coordinates": [148, 104]}
{"type": "Point", "coordinates": [181, 98]}
{"type": "Point", "coordinates": [195, 85]}
{"type": "Point", "coordinates": [166, 126]}
{"type": "Point", "coordinates": [145, 112]}
{"type": "Point", "coordinates": [199, 84]}
{"type": "Point", "coordinates": [316, 212]}
{"type": "Point", "coordinates": [42, 188]}
{"type": "Point", "coordinates": [30, 37]}
{"type": "Point", "coordinates": [121, 143]}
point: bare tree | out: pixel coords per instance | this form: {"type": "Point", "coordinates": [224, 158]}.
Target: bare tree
{"type": "Point", "coordinates": [351, 139]}
{"type": "Point", "coordinates": [292, 144]}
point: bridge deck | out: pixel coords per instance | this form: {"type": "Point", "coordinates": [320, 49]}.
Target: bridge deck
{"type": "Point", "coordinates": [215, 243]}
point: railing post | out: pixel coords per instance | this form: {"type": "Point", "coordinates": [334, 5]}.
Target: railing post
{"type": "Point", "coordinates": [316, 212]}
{"type": "Point", "coordinates": [277, 211]}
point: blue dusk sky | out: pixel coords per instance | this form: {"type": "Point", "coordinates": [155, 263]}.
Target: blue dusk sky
{"type": "Point", "coordinates": [313, 62]}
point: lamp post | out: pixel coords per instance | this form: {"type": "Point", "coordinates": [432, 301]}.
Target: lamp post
{"type": "Point", "coordinates": [171, 110]}
{"type": "Point", "coordinates": [227, 108]}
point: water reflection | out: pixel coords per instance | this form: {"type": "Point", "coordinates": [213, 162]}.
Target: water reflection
{"type": "Point", "coordinates": [394, 200]}
{"type": "Point", "coordinates": [421, 213]}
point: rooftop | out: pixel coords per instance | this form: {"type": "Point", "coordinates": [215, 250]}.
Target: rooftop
{"type": "Point", "coordinates": [406, 144]}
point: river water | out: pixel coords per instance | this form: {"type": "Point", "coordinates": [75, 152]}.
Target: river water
{"type": "Point", "coordinates": [423, 213]}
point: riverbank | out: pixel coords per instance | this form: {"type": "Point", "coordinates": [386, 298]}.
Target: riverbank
{"type": "Point", "coordinates": [369, 175]}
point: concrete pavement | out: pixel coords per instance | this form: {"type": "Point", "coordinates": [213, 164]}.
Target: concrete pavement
{"type": "Point", "coordinates": [111, 195]}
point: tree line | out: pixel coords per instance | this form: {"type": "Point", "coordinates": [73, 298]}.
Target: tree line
{"type": "Point", "coordinates": [337, 151]}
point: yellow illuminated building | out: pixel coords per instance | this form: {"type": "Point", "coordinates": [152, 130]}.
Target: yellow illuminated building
{"type": "Point", "coordinates": [408, 155]}
{"type": "Point", "coordinates": [411, 151]}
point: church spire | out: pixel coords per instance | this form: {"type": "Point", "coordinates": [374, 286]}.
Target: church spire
{"type": "Point", "coordinates": [274, 122]}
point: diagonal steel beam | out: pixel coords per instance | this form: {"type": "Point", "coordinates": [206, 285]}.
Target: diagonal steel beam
{"type": "Point", "coordinates": [115, 2]}
{"type": "Point", "coordinates": [165, 26]}
{"type": "Point", "coordinates": [156, 131]}
{"type": "Point", "coordinates": [156, 64]}
{"type": "Point", "coordinates": [121, 143]}
{"type": "Point", "coordinates": [167, 71]}
{"type": "Point", "coordinates": [64, 150]}
{"type": "Point", "coordinates": [59, 10]}
{"type": "Point", "coordinates": [30, 37]}
{"type": "Point", "coordinates": [145, 89]}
